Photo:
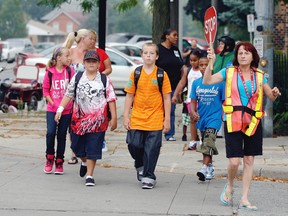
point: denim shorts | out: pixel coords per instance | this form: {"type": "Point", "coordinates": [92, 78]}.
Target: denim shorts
{"type": "Point", "coordinates": [239, 144]}
{"type": "Point", "coordinates": [88, 145]}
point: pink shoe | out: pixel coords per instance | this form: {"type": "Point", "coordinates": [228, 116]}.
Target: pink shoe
{"type": "Point", "coordinates": [59, 167]}
{"type": "Point", "coordinates": [49, 164]}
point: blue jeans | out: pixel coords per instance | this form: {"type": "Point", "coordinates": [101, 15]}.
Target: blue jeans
{"type": "Point", "coordinates": [54, 130]}
{"type": "Point", "coordinates": [144, 147]}
{"type": "Point", "coordinates": [171, 132]}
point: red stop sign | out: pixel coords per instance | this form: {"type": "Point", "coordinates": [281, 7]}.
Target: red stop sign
{"type": "Point", "coordinates": [210, 24]}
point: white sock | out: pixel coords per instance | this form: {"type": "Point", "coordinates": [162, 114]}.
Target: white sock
{"type": "Point", "coordinates": [84, 163]}
{"type": "Point", "coordinates": [89, 177]}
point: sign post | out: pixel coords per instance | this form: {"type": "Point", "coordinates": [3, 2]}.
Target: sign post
{"type": "Point", "coordinates": [250, 25]}
{"type": "Point", "coordinates": [210, 27]}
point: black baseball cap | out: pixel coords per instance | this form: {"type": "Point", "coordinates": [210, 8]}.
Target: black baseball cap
{"type": "Point", "coordinates": [92, 54]}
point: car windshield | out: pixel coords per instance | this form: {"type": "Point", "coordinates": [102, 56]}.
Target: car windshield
{"type": "Point", "coordinates": [48, 52]}
{"type": "Point", "coordinates": [16, 43]}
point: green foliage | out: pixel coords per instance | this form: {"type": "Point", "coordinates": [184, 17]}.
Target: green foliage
{"type": "Point", "coordinates": [280, 122]}
{"type": "Point", "coordinates": [12, 20]}
{"type": "Point", "coordinates": [122, 21]}
{"type": "Point", "coordinates": [126, 5]}
{"type": "Point", "coordinates": [35, 11]}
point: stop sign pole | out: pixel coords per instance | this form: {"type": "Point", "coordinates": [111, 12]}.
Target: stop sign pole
{"type": "Point", "coordinates": [210, 27]}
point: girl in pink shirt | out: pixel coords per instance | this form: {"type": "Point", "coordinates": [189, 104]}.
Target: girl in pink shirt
{"type": "Point", "coordinates": [55, 83]}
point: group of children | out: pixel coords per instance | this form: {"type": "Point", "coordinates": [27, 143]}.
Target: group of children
{"type": "Point", "coordinates": [146, 112]}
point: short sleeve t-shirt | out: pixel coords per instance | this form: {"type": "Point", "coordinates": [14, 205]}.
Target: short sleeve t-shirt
{"type": "Point", "coordinates": [90, 106]}
{"type": "Point", "coordinates": [148, 109]}
{"type": "Point", "coordinates": [243, 95]}
{"type": "Point", "coordinates": [209, 98]}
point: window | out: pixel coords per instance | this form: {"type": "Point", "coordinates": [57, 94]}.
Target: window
{"type": "Point", "coordinates": [69, 27]}
{"type": "Point", "coordinates": [56, 25]}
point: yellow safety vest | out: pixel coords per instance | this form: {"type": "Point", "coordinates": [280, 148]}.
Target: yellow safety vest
{"type": "Point", "coordinates": [239, 117]}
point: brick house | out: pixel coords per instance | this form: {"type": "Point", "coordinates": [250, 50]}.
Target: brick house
{"type": "Point", "coordinates": [67, 18]}
{"type": "Point", "coordinates": [280, 34]}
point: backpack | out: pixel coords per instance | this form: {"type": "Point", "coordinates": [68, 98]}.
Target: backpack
{"type": "Point", "coordinates": [103, 79]}
{"type": "Point", "coordinates": [160, 77]}
{"type": "Point", "coordinates": [50, 75]}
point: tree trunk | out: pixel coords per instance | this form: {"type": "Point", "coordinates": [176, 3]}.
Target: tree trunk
{"type": "Point", "coordinates": [161, 18]}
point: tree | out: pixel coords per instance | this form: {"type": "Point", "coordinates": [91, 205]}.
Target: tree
{"type": "Point", "coordinates": [12, 20]}
{"type": "Point", "coordinates": [35, 11]}
{"type": "Point", "coordinates": [160, 8]}
{"type": "Point", "coordinates": [122, 21]}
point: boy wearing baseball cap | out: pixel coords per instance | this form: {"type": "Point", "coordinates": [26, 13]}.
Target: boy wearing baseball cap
{"type": "Point", "coordinates": [90, 113]}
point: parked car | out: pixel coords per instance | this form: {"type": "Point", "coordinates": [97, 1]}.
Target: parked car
{"type": "Point", "coordinates": [18, 45]}
{"type": "Point", "coordinates": [201, 43]}
{"type": "Point", "coordinates": [8, 52]}
{"type": "Point", "coordinates": [133, 51]}
{"type": "Point", "coordinates": [43, 46]}
{"type": "Point", "coordinates": [122, 65]}
{"type": "Point", "coordinates": [127, 38]}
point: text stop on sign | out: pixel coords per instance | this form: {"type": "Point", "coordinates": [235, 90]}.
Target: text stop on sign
{"type": "Point", "coordinates": [210, 24]}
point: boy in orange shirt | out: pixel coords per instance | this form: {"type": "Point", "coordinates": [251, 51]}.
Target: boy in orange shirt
{"type": "Point", "coordinates": [150, 116]}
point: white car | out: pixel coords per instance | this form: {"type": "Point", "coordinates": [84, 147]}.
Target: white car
{"type": "Point", "coordinates": [129, 38]}
{"type": "Point", "coordinates": [18, 45]}
{"type": "Point", "coordinates": [8, 52]}
{"type": "Point", "coordinates": [122, 66]}
{"type": "Point", "coordinates": [133, 51]}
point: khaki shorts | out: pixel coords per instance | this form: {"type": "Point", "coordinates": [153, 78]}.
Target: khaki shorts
{"type": "Point", "coordinates": [208, 146]}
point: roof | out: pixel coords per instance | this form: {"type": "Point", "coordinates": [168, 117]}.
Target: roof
{"type": "Point", "coordinates": [38, 28]}
{"type": "Point", "coordinates": [73, 10]}
{"type": "Point", "coordinates": [63, 12]}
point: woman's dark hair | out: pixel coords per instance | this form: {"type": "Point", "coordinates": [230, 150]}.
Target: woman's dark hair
{"type": "Point", "coordinates": [166, 32]}
{"type": "Point", "coordinates": [250, 48]}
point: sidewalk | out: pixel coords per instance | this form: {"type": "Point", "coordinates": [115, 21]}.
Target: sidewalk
{"type": "Point", "coordinates": [26, 190]}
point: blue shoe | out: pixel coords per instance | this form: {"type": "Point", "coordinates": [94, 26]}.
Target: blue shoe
{"type": "Point", "coordinates": [227, 195]}
{"type": "Point", "coordinates": [248, 207]}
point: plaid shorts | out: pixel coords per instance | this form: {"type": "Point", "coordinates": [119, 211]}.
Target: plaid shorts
{"type": "Point", "coordinates": [186, 119]}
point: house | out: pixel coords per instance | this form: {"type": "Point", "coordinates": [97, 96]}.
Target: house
{"type": "Point", "coordinates": [40, 32]}
{"type": "Point", "coordinates": [67, 18]}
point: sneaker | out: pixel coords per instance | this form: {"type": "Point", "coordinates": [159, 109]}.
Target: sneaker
{"type": "Point", "coordinates": [140, 174]}
{"type": "Point", "coordinates": [148, 184]}
{"type": "Point", "coordinates": [202, 173]}
{"type": "Point", "coordinates": [83, 170]}
{"type": "Point", "coordinates": [192, 145]}
{"type": "Point", "coordinates": [210, 171]}
{"type": "Point", "coordinates": [59, 167]}
{"type": "Point", "coordinates": [49, 164]}
{"type": "Point", "coordinates": [90, 181]}
{"type": "Point", "coordinates": [184, 137]}
{"type": "Point", "coordinates": [104, 146]}
{"type": "Point", "coordinates": [171, 139]}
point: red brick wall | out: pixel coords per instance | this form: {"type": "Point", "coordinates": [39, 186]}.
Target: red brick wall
{"type": "Point", "coordinates": [62, 20]}
{"type": "Point", "coordinates": [280, 34]}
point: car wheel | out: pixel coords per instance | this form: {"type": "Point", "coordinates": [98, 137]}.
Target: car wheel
{"type": "Point", "coordinates": [33, 103]}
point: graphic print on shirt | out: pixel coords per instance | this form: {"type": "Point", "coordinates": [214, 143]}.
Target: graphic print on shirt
{"type": "Point", "coordinates": [206, 95]}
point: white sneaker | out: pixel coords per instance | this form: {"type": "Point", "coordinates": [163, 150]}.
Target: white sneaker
{"type": "Point", "coordinates": [202, 173]}
{"type": "Point", "coordinates": [192, 145]}
{"type": "Point", "coordinates": [104, 146]}
{"type": "Point", "coordinates": [210, 171]}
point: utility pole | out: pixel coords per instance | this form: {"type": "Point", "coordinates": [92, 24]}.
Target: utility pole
{"type": "Point", "coordinates": [102, 24]}
{"type": "Point", "coordinates": [264, 27]}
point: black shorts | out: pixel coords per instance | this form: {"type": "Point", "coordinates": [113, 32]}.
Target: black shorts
{"type": "Point", "coordinates": [239, 144]}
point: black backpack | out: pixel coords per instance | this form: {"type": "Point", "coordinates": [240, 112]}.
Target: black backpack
{"type": "Point", "coordinates": [160, 77]}
{"type": "Point", "coordinates": [50, 75]}
{"type": "Point", "coordinates": [103, 79]}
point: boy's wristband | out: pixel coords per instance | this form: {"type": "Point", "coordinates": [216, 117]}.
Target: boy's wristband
{"type": "Point", "coordinates": [60, 109]}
